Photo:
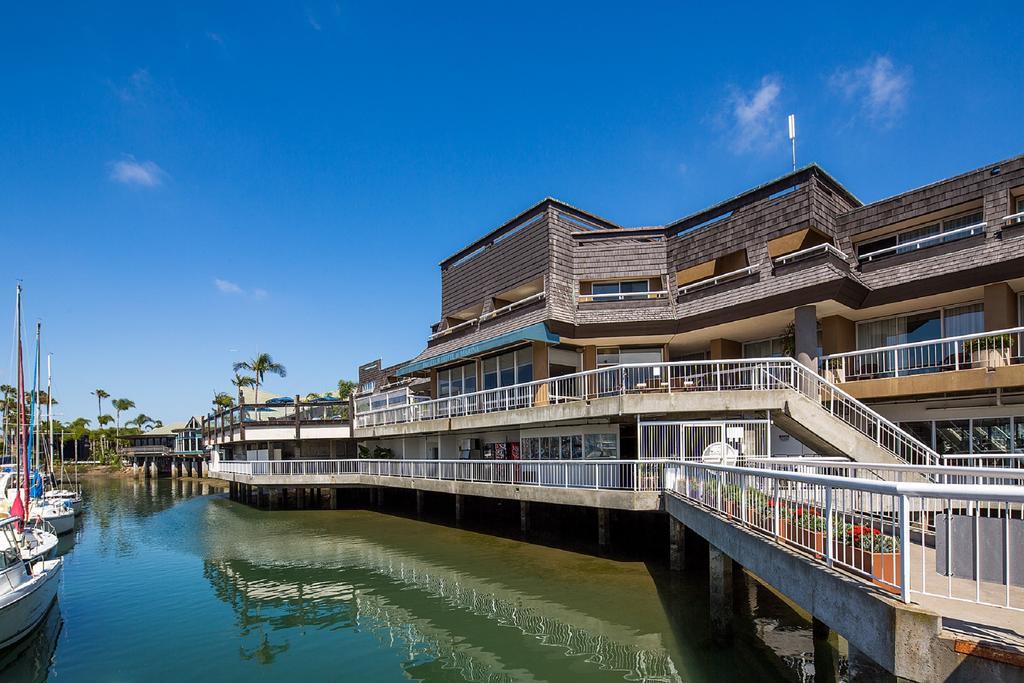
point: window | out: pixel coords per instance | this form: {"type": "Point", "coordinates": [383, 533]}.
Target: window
{"type": "Point", "coordinates": [620, 291]}
{"type": "Point", "coordinates": [952, 436]}
{"type": "Point", "coordinates": [1018, 207]}
{"type": "Point", "coordinates": [991, 435]}
{"type": "Point", "coordinates": [514, 367]}
{"type": "Point", "coordinates": [617, 356]}
{"type": "Point", "coordinates": [891, 244]}
{"type": "Point", "coordinates": [456, 381]}
{"type": "Point", "coordinates": [765, 348]}
{"type": "Point", "coordinates": [979, 435]}
{"type": "Point", "coordinates": [951, 321]}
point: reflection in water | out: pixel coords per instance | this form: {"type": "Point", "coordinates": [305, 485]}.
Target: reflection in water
{"type": "Point", "coordinates": [360, 595]}
{"type": "Point", "coordinates": [30, 659]}
{"type": "Point", "coordinates": [303, 578]}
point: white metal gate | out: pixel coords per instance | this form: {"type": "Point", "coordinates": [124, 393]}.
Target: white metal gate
{"type": "Point", "coordinates": [721, 441]}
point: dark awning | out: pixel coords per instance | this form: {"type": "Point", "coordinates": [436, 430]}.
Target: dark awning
{"type": "Point", "coordinates": [537, 332]}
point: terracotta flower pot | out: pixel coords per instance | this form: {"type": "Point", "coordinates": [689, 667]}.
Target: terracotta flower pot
{"type": "Point", "coordinates": [882, 568]}
{"type": "Point", "coordinates": [805, 538]}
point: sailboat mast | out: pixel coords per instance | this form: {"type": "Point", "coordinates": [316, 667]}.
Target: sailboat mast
{"type": "Point", "coordinates": [22, 436]}
{"type": "Point", "coordinates": [49, 408]}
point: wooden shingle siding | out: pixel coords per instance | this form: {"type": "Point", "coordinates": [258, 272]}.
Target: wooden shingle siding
{"type": "Point", "coordinates": [514, 261]}
{"type": "Point", "coordinates": [568, 246]}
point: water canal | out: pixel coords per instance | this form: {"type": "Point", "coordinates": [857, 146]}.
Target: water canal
{"type": "Point", "coordinates": [163, 583]}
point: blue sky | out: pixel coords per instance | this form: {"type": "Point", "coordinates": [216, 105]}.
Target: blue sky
{"type": "Point", "coordinates": [183, 186]}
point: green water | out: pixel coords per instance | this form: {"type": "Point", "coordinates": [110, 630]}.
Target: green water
{"type": "Point", "coordinates": [162, 583]}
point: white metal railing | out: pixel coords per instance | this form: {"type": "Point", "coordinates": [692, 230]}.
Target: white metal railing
{"type": "Point", "coordinates": [956, 541]}
{"type": "Point", "coordinates": [539, 296]}
{"type": "Point", "coordinates": [623, 296]}
{"type": "Point", "coordinates": [754, 374]}
{"type": "Point", "coordinates": [717, 279]}
{"type": "Point", "coordinates": [980, 350]}
{"type": "Point", "coordinates": [809, 252]}
{"type": "Point", "coordinates": [931, 240]}
{"type": "Point", "coordinates": [1014, 217]}
{"type": "Point", "coordinates": [618, 475]}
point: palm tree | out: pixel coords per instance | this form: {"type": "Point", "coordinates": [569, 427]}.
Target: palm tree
{"type": "Point", "coordinates": [100, 395]}
{"type": "Point", "coordinates": [104, 420]}
{"type": "Point", "coordinates": [121, 405]}
{"type": "Point", "coordinates": [241, 381]}
{"type": "Point", "coordinates": [259, 367]}
{"type": "Point", "coordinates": [222, 400]}
{"type": "Point", "coordinates": [345, 388]}
{"type": "Point", "coordinates": [141, 420]}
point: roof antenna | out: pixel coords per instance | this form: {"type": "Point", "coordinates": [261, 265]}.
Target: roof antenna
{"type": "Point", "coordinates": [792, 137]}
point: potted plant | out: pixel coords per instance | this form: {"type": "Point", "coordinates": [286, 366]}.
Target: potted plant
{"type": "Point", "coordinates": [868, 551]}
{"type": "Point", "coordinates": [760, 509]}
{"type": "Point", "coordinates": [806, 529]}
{"type": "Point", "coordinates": [990, 352]}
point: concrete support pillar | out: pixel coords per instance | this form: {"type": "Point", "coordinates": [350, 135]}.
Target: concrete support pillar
{"type": "Point", "coordinates": [135, 468]}
{"type": "Point", "coordinates": [524, 516]}
{"type": "Point", "coordinates": [805, 324]}
{"type": "Point", "coordinates": [335, 495]}
{"type": "Point", "coordinates": [419, 503]}
{"type": "Point", "coordinates": [862, 668]}
{"type": "Point", "coordinates": [232, 493]}
{"type": "Point", "coordinates": [187, 468]}
{"type": "Point", "coordinates": [154, 469]}
{"type": "Point", "coordinates": [458, 508]}
{"type": "Point", "coordinates": [604, 528]}
{"type": "Point", "coordinates": [199, 468]}
{"type": "Point", "coordinates": [826, 653]}
{"type": "Point", "coordinates": [1000, 307]}
{"type": "Point", "coordinates": [380, 496]}
{"type": "Point", "coordinates": [676, 545]}
{"type": "Point", "coordinates": [174, 468]}
{"type": "Point", "coordinates": [720, 579]}
{"type": "Point", "coordinates": [724, 349]}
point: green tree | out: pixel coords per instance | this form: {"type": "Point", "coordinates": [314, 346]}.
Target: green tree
{"type": "Point", "coordinates": [222, 400]}
{"type": "Point", "coordinates": [121, 405]}
{"type": "Point", "coordinates": [100, 394]}
{"type": "Point", "coordinates": [241, 381]}
{"type": "Point", "coordinates": [259, 367]}
{"type": "Point", "coordinates": [141, 420]}
{"type": "Point", "coordinates": [345, 388]}
{"type": "Point", "coordinates": [104, 420]}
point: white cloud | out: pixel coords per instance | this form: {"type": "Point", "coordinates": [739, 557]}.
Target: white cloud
{"type": "Point", "coordinates": [234, 289]}
{"type": "Point", "coordinates": [879, 86]}
{"type": "Point", "coordinates": [753, 117]}
{"type": "Point", "coordinates": [227, 286]}
{"type": "Point", "coordinates": [312, 20]}
{"type": "Point", "coordinates": [135, 87]}
{"type": "Point", "coordinates": [128, 171]}
{"type": "Point", "coordinates": [215, 37]}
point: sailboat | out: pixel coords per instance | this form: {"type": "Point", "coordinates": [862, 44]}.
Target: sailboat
{"type": "Point", "coordinates": [27, 588]}
{"type": "Point", "coordinates": [63, 496]}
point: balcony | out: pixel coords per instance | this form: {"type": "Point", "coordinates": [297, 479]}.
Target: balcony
{"type": "Point", "coordinates": [508, 308]}
{"type": "Point", "coordinates": [661, 294]}
{"type": "Point", "coordinates": [989, 350]}
{"type": "Point", "coordinates": [281, 418]}
{"type": "Point", "coordinates": [924, 242]}
{"type": "Point", "coordinates": [707, 283]}
{"type": "Point", "coordinates": [817, 251]}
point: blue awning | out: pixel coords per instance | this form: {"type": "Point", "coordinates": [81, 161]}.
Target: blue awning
{"type": "Point", "coordinates": [537, 332]}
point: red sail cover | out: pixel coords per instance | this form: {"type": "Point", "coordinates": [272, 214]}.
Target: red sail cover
{"type": "Point", "coordinates": [18, 510]}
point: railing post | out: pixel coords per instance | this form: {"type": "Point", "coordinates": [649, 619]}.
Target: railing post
{"type": "Point", "coordinates": [830, 529]}
{"type": "Point", "coordinates": [905, 550]}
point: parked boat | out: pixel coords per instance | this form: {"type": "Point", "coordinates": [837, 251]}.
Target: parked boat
{"type": "Point", "coordinates": [27, 589]}
{"type": "Point", "coordinates": [37, 542]}
{"type": "Point", "coordinates": [66, 498]}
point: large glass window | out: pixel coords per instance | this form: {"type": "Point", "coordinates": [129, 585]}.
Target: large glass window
{"type": "Point", "coordinates": [765, 348]}
{"type": "Point", "coordinates": [456, 381]}
{"type": "Point", "coordinates": [921, 326]}
{"type": "Point", "coordinates": [991, 435]}
{"type": "Point", "coordinates": [892, 244]}
{"type": "Point", "coordinates": [490, 373]}
{"type": "Point", "coordinates": [952, 436]}
{"type": "Point", "coordinates": [619, 291]}
{"type": "Point", "coordinates": [514, 367]}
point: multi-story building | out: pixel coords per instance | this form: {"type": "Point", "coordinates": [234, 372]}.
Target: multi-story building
{"type": "Point", "coordinates": [909, 304]}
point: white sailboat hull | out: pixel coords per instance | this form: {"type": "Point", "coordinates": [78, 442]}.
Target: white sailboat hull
{"type": "Point", "coordinates": [60, 518]}
{"type": "Point", "coordinates": [22, 608]}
